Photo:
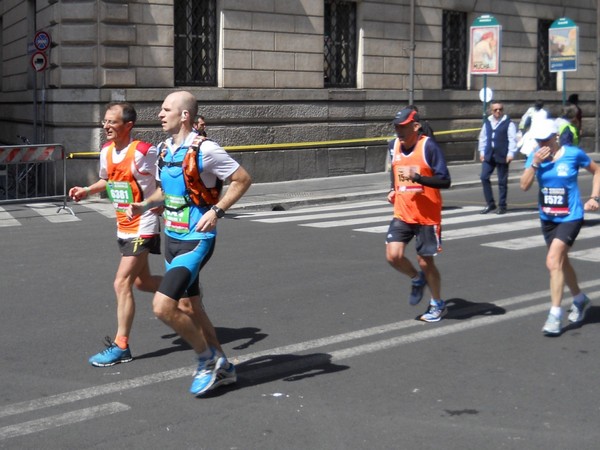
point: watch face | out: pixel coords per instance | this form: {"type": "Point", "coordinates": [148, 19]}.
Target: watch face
{"type": "Point", "coordinates": [220, 213]}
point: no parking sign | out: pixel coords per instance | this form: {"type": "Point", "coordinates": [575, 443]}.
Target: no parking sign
{"type": "Point", "coordinates": [39, 60]}
{"type": "Point", "coordinates": [42, 41]}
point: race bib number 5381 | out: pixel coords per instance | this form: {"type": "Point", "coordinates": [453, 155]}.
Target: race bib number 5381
{"type": "Point", "coordinates": [120, 194]}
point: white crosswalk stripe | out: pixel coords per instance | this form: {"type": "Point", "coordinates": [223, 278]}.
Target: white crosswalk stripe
{"type": "Point", "coordinates": [312, 209]}
{"type": "Point", "coordinates": [458, 223]}
{"type": "Point", "coordinates": [538, 240]}
{"type": "Point", "coordinates": [452, 220]}
{"type": "Point", "coordinates": [13, 215]}
{"type": "Point", "coordinates": [301, 218]}
{"type": "Point", "coordinates": [590, 254]}
{"type": "Point", "coordinates": [386, 218]}
{"type": "Point", "coordinates": [104, 208]}
{"type": "Point", "coordinates": [6, 220]}
{"type": "Point", "coordinates": [463, 233]}
{"type": "Point", "coordinates": [50, 212]}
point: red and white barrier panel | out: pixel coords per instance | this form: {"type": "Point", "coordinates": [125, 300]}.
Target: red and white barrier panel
{"type": "Point", "coordinates": [25, 154]}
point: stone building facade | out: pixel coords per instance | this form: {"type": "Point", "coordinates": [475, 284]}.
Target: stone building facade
{"type": "Point", "coordinates": [280, 71]}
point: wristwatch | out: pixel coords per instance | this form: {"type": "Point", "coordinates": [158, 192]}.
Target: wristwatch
{"type": "Point", "coordinates": [218, 211]}
{"type": "Point", "coordinates": [597, 199]}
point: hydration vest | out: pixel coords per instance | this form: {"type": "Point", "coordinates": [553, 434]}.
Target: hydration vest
{"type": "Point", "coordinates": [196, 191]}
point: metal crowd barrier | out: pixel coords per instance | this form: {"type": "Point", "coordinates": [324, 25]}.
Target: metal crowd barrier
{"type": "Point", "coordinates": [33, 172]}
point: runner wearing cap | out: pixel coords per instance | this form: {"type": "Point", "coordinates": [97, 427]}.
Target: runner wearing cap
{"type": "Point", "coordinates": [561, 214]}
{"type": "Point", "coordinates": [418, 172]}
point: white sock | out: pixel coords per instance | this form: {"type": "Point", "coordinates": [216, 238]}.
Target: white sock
{"type": "Point", "coordinates": [556, 311]}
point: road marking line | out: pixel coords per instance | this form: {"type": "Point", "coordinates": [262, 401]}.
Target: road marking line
{"type": "Point", "coordinates": [59, 420]}
{"type": "Point", "coordinates": [337, 355]}
{"type": "Point", "coordinates": [119, 386]}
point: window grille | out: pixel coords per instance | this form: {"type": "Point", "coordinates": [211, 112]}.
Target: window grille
{"type": "Point", "coordinates": [546, 80]}
{"type": "Point", "coordinates": [195, 43]}
{"type": "Point", "coordinates": [340, 44]}
{"type": "Point", "coordinates": [454, 50]}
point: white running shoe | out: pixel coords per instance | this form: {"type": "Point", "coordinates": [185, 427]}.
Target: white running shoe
{"type": "Point", "coordinates": [578, 310]}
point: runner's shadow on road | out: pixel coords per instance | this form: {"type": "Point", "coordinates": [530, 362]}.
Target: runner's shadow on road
{"type": "Point", "coordinates": [592, 315]}
{"type": "Point", "coordinates": [460, 309]}
{"type": "Point", "coordinates": [266, 369]}
{"type": "Point", "coordinates": [249, 334]}
{"type": "Point", "coordinates": [225, 335]}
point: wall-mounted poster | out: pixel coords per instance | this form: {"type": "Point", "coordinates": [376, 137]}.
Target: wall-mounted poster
{"type": "Point", "coordinates": [563, 39]}
{"type": "Point", "coordinates": [485, 46]}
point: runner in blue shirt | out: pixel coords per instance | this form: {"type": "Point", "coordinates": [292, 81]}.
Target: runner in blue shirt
{"type": "Point", "coordinates": [561, 214]}
{"type": "Point", "coordinates": [190, 232]}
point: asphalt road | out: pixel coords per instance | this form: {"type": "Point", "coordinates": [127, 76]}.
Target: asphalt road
{"type": "Point", "coordinates": [328, 351]}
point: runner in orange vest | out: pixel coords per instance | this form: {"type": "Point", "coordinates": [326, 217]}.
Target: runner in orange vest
{"type": "Point", "coordinates": [419, 171]}
{"type": "Point", "coordinates": [128, 174]}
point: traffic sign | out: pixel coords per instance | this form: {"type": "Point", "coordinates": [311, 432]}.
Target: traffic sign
{"type": "Point", "coordinates": [42, 41]}
{"type": "Point", "coordinates": [39, 61]}
{"type": "Point", "coordinates": [486, 95]}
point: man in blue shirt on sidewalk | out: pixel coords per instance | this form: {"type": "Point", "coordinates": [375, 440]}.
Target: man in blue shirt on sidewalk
{"type": "Point", "coordinates": [497, 147]}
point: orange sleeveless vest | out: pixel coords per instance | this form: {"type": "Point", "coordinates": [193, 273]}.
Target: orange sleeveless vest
{"type": "Point", "coordinates": [122, 187]}
{"type": "Point", "coordinates": [415, 203]}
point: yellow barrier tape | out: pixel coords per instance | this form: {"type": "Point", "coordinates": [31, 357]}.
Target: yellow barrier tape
{"type": "Point", "coordinates": [295, 144]}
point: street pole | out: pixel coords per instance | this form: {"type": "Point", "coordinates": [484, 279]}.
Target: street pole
{"type": "Point", "coordinates": [485, 96]}
{"type": "Point", "coordinates": [411, 87]}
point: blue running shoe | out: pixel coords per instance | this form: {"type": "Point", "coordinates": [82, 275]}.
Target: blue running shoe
{"type": "Point", "coordinates": [225, 374]}
{"type": "Point", "coordinates": [436, 311]}
{"type": "Point", "coordinates": [111, 355]}
{"type": "Point", "coordinates": [206, 374]}
{"type": "Point", "coordinates": [579, 309]}
{"type": "Point", "coordinates": [418, 287]}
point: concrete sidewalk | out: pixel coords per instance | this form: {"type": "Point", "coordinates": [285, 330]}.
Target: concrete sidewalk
{"type": "Point", "coordinates": [290, 194]}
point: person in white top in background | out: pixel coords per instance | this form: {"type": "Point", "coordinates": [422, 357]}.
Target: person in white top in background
{"type": "Point", "coordinates": [532, 118]}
